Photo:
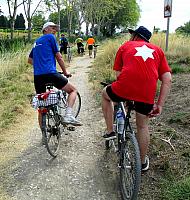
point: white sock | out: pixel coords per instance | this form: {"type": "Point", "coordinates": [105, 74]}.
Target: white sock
{"type": "Point", "coordinates": [68, 111]}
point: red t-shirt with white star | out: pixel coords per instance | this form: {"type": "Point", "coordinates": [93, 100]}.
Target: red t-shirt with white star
{"type": "Point", "coordinates": [141, 65]}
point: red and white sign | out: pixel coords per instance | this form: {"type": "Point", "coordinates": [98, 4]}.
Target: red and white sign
{"type": "Point", "coordinates": [167, 8]}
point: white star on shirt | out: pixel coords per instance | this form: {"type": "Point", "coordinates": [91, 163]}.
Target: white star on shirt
{"type": "Point", "coordinates": [144, 52]}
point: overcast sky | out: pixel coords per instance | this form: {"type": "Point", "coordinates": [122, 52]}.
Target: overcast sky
{"type": "Point", "coordinates": [152, 13]}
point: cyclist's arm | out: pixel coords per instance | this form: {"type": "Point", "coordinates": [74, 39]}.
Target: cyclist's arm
{"type": "Point", "coordinates": [59, 59]}
{"type": "Point", "coordinates": [165, 88]}
{"type": "Point", "coordinates": [30, 60]}
{"type": "Point", "coordinates": [164, 91]}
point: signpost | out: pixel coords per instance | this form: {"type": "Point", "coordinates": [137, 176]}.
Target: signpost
{"type": "Point", "coordinates": [167, 14]}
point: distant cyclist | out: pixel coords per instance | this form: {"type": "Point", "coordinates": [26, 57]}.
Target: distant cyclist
{"type": "Point", "coordinates": [80, 45]}
{"type": "Point", "coordinates": [63, 44]}
{"type": "Point", "coordinates": [89, 43]}
{"type": "Point", "coordinates": [43, 57]}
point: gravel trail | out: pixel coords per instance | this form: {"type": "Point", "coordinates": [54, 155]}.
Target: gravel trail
{"type": "Point", "coordinates": [83, 170]}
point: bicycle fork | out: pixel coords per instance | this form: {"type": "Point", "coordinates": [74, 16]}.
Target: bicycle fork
{"type": "Point", "coordinates": [124, 160]}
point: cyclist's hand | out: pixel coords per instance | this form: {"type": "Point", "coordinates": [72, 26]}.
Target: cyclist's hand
{"type": "Point", "coordinates": [68, 75]}
{"type": "Point", "coordinates": [156, 110]}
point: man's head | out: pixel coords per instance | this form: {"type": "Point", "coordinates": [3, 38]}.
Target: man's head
{"type": "Point", "coordinates": [62, 35]}
{"type": "Point", "coordinates": [141, 32]}
{"type": "Point", "coordinates": [50, 27]}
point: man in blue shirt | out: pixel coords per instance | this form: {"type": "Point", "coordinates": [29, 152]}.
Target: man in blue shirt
{"type": "Point", "coordinates": [43, 57]}
{"type": "Point", "coordinates": [63, 44]}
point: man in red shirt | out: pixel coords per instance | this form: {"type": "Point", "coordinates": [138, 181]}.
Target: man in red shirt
{"type": "Point", "coordinates": [138, 65]}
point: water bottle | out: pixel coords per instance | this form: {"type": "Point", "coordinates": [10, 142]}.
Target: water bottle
{"type": "Point", "coordinates": [120, 120]}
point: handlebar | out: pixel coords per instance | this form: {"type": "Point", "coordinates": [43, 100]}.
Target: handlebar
{"type": "Point", "coordinates": [69, 75]}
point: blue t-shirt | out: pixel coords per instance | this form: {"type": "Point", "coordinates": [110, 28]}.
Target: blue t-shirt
{"type": "Point", "coordinates": [43, 55]}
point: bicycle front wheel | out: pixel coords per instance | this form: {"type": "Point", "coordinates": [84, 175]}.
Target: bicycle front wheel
{"type": "Point", "coordinates": [69, 57]}
{"type": "Point", "coordinates": [51, 133]}
{"type": "Point", "coordinates": [76, 106]}
{"type": "Point", "coordinates": [130, 170]}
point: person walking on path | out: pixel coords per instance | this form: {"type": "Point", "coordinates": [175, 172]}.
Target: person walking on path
{"type": "Point", "coordinates": [89, 43]}
{"type": "Point", "coordinates": [80, 45]}
{"type": "Point", "coordinates": [138, 65]}
{"type": "Point", "coordinates": [63, 44]}
{"type": "Point", "coordinates": [43, 57]}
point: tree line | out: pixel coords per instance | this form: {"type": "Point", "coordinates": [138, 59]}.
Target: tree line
{"type": "Point", "coordinates": [19, 22]}
{"type": "Point", "coordinates": [101, 17]}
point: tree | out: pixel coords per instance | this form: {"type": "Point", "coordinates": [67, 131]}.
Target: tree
{"type": "Point", "coordinates": [1, 12]}
{"type": "Point", "coordinates": [29, 14]}
{"type": "Point", "coordinates": [56, 6]}
{"type": "Point", "coordinates": [37, 21]}
{"type": "Point", "coordinates": [63, 21]}
{"type": "Point", "coordinates": [12, 6]}
{"type": "Point", "coordinates": [4, 23]}
{"type": "Point", "coordinates": [70, 12]}
{"type": "Point", "coordinates": [107, 15]}
{"type": "Point", "coordinates": [20, 22]}
{"type": "Point", "coordinates": [127, 15]}
{"type": "Point", "coordinates": [185, 30]}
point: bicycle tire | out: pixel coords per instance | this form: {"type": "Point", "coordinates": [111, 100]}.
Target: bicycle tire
{"type": "Point", "coordinates": [95, 53]}
{"type": "Point", "coordinates": [107, 144]}
{"type": "Point", "coordinates": [76, 106]}
{"type": "Point", "coordinates": [69, 57]}
{"type": "Point", "coordinates": [130, 169]}
{"type": "Point", "coordinates": [51, 133]}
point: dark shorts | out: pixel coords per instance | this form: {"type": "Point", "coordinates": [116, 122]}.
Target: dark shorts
{"type": "Point", "coordinates": [63, 50]}
{"type": "Point", "coordinates": [140, 107]}
{"type": "Point", "coordinates": [90, 47]}
{"type": "Point", "coordinates": [40, 81]}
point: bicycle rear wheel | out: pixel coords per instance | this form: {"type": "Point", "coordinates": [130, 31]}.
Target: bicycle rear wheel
{"type": "Point", "coordinates": [95, 53]}
{"type": "Point", "coordinates": [130, 169]}
{"type": "Point", "coordinates": [51, 133]}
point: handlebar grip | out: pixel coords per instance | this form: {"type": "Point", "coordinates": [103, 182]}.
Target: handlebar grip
{"type": "Point", "coordinates": [69, 75]}
{"type": "Point", "coordinates": [104, 83]}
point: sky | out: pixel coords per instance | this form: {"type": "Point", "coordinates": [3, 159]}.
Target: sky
{"type": "Point", "coordinates": [152, 13]}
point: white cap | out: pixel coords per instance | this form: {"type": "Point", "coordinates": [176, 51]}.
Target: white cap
{"type": "Point", "coordinates": [50, 24]}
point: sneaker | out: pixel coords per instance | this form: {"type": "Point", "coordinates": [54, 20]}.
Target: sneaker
{"type": "Point", "coordinates": [145, 166]}
{"type": "Point", "coordinates": [69, 119]}
{"type": "Point", "coordinates": [109, 136]}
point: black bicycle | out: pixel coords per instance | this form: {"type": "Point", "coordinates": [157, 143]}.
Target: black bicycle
{"type": "Point", "coordinates": [52, 105]}
{"type": "Point", "coordinates": [95, 49]}
{"type": "Point", "coordinates": [69, 53]}
{"type": "Point", "coordinates": [127, 149]}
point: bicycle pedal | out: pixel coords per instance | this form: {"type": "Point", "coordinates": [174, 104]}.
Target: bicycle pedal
{"type": "Point", "coordinates": [71, 128]}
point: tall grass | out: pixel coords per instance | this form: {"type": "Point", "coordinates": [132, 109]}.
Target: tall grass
{"type": "Point", "coordinates": [178, 56]}
{"type": "Point", "coordinates": [15, 85]}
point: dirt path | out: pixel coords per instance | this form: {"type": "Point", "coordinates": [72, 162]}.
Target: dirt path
{"type": "Point", "coordinates": [82, 169]}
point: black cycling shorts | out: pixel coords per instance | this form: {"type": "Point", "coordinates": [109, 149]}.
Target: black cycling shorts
{"type": "Point", "coordinates": [140, 107]}
{"type": "Point", "coordinates": [56, 79]}
{"type": "Point", "coordinates": [90, 47]}
{"type": "Point", "coordinates": [63, 50]}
